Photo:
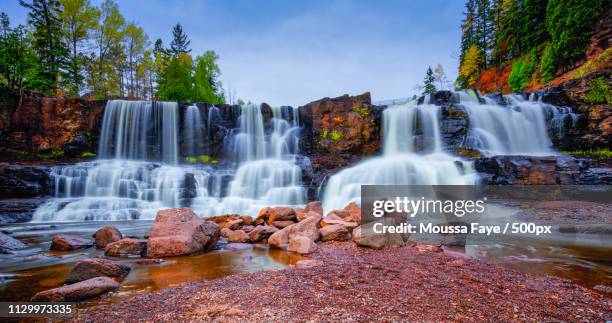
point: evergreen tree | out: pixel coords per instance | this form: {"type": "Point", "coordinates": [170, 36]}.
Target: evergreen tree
{"type": "Point", "coordinates": [79, 19]}
{"type": "Point", "coordinates": [18, 62]}
{"type": "Point", "coordinates": [429, 86]}
{"type": "Point", "coordinates": [175, 82]}
{"type": "Point", "coordinates": [467, 28]}
{"type": "Point", "coordinates": [180, 43]}
{"type": "Point", "coordinates": [44, 17]}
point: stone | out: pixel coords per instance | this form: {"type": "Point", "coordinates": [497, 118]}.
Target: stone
{"type": "Point", "coordinates": [299, 214]}
{"type": "Point", "coordinates": [66, 242]}
{"type": "Point", "coordinates": [96, 267]}
{"type": "Point", "coordinates": [126, 247]}
{"type": "Point", "coordinates": [106, 235]}
{"type": "Point", "coordinates": [225, 232]}
{"type": "Point", "coordinates": [261, 232]}
{"type": "Point", "coordinates": [247, 228]}
{"type": "Point", "coordinates": [178, 232]}
{"type": "Point", "coordinates": [282, 224]}
{"type": "Point", "coordinates": [342, 214]}
{"type": "Point", "coordinates": [238, 236]}
{"type": "Point", "coordinates": [238, 246]}
{"type": "Point", "coordinates": [233, 224]}
{"type": "Point", "coordinates": [363, 238]}
{"type": "Point", "coordinates": [355, 212]}
{"type": "Point", "coordinates": [308, 227]}
{"type": "Point", "coordinates": [301, 245]}
{"type": "Point", "coordinates": [335, 232]}
{"type": "Point", "coordinates": [315, 207]}
{"type": "Point", "coordinates": [77, 292]}
{"type": "Point", "coordinates": [307, 263]}
{"type": "Point", "coordinates": [281, 213]}
{"type": "Point", "coordinates": [262, 216]}
{"type": "Point", "coordinates": [348, 225]}
{"type": "Point", "coordinates": [8, 243]}
{"type": "Point", "coordinates": [425, 247]}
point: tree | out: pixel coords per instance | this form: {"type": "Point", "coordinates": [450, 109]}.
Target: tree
{"type": "Point", "coordinates": [429, 87]}
{"type": "Point", "coordinates": [570, 24]}
{"type": "Point", "coordinates": [207, 88]}
{"type": "Point", "coordinates": [135, 43]}
{"type": "Point", "coordinates": [79, 19]}
{"type": "Point", "coordinates": [471, 66]}
{"type": "Point", "coordinates": [44, 17]}
{"type": "Point", "coordinates": [18, 62]}
{"type": "Point", "coordinates": [180, 43]}
{"type": "Point", "coordinates": [105, 76]}
{"type": "Point", "coordinates": [440, 77]}
{"type": "Point", "coordinates": [175, 82]}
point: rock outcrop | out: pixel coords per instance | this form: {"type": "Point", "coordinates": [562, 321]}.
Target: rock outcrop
{"type": "Point", "coordinates": [179, 232]}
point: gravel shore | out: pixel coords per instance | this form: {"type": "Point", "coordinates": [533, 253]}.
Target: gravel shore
{"type": "Point", "coordinates": [353, 284]}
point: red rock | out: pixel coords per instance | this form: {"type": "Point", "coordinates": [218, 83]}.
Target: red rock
{"type": "Point", "coordinates": [106, 235]}
{"type": "Point", "coordinates": [307, 263]}
{"type": "Point", "coordinates": [262, 216]}
{"type": "Point", "coordinates": [315, 207]}
{"type": "Point", "coordinates": [96, 267]}
{"type": "Point", "coordinates": [262, 232]}
{"type": "Point", "coordinates": [238, 236]}
{"type": "Point", "coordinates": [282, 224]}
{"type": "Point", "coordinates": [331, 220]}
{"type": "Point", "coordinates": [342, 214]}
{"type": "Point", "coordinates": [281, 213]}
{"type": "Point", "coordinates": [367, 239]}
{"type": "Point", "coordinates": [335, 232]}
{"type": "Point", "coordinates": [308, 227]}
{"type": "Point", "coordinates": [126, 247]}
{"type": "Point", "coordinates": [225, 232]}
{"type": "Point", "coordinates": [300, 214]}
{"type": "Point", "coordinates": [179, 232]}
{"type": "Point", "coordinates": [355, 211]}
{"type": "Point", "coordinates": [301, 245]}
{"type": "Point", "coordinates": [421, 247]}
{"type": "Point", "coordinates": [65, 242]}
{"type": "Point", "coordinates": [247, 228]}
{"type": "Point", "coordinates": [76, 292]}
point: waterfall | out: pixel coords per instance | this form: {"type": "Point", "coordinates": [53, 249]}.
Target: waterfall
{"type": "Point", "coordinates": [412, 155]}
{"type": "Point", "coordinates": [194, 132]}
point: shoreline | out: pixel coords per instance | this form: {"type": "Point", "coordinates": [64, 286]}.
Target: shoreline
{"type": "Point", "coordinates": [356, 284]}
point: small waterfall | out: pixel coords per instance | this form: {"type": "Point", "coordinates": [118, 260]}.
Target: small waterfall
{"type": "Point", "coordinates": [194, 132]}
{"type": "Point", "coordinates": [520, 128]}
{"type": "Point", "coordinates": [412, 155]}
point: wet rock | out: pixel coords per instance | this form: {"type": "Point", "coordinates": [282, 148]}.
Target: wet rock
{"type": "Point", "coordinates": [301, 245]}
{"type": "Point", "coordinates": [66, 242]}
{"type": "Point", "coordinates": [18, 210]}
{"type": "Point", "coordinates": [335, 232]}
{"type": "Point", "coordinates": [238, 246]}
{"type": "Point", "coordinates": [96, 267]}
{"type": "Point", "coordinates": [282, 224]}
{"type": "Point", "coordinates": [309, 228]}
{"type": "Point", "coordinates": [126, 247]}
{"type": "Point", "coordinates": [307, 263]}
{"type": "Point", "coordinates": [77, 292]}
{"type": "Point", "coordinates": [106, 235]}
{"type": "Point", "coordinates": [355, 212]}
{"type": "Point", "coordinates": [315, 207]}
{"type": "Point", "coordinates": [8, 243]}
{"type": "Point", "coordinates": [238, 236]}
{"type": "Point", "coordinates": [281, 213]}
{"type": "Point", "coordinates": [262, 232]}
{"type": "Point", "coordinates": [179, 231]}
{"type": "Point", "coordinates": [25, 181]}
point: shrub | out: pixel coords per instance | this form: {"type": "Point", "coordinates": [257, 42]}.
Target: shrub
{"type": "Point", "coordinates": [335, 135]}
{"type": "Point", "coordinates": [599, 92]}
{"type": "Point", "coordinates": [88, 154]}
{"type": "Point", "coordinates": [548, 66]}
{"type": "Point", "coordinates": [55, 153]}
{"type": "Point", "coordinates": [522, 69]}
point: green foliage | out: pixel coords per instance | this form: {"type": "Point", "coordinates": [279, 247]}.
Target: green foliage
{"type": "Point", "coordinates": [604, 60]}
{"type": "Point", "coordinates": [18, 61]}
{"type": "Point", "coordinates": [336, 135]}
{"type": "Point", "coordinates": [429, 87]}
{"type": "Point", "coordinates": [598, 152]}
{"type": "Point", "coordinates": [88, 154]}
{"type": "Point", "coordinates": [548, 66]}
{"type": "Point", "coordinates": [324, 134]}
{"type": "Point", "coordinates": [180, 43]}
{"type": "Point", "coordinates": [207, 87]}
{"type": "Point", "coordinates": [175, 83]}
{"type": "Point", "coordinates": [52, 154]}
{"type": "Point", "coordinates": [191, 159]}
{"type": "Point", "coordinates": [363, 111]}
{"type": "Point", "coordinates": [202, 159]}
{"type": "Point", "coordinates": [570, 24]}
{"type": "Point", "coordinates": [522, 69]}
{"type": "Point", "coordinates": [599, 92]}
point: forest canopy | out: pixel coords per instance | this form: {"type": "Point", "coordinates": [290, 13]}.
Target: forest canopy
{"type": "Point", "coordinates": [73, 48]}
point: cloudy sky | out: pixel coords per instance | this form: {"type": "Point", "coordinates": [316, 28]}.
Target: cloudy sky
{"type": "Point", "coordinates": [293, 52]}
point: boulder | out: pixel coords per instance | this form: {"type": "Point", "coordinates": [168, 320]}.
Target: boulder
{"type": "Point", "coordinates": [364, 236]}
{"type": "Point", "coordinates": [315, 207]}
{"type": "Point", "coordinates": [179, 232]}
{"type": "Point", "coordinates": [300, 214]}
{"type": "Point", "coordinates": [342, 214]}
{"type": "Point", "coordinates": [281, 213]}
{"type": "Point", "coordinates": [96, 267]}
{"type": "Point", "coordinates": [225, 232]}
{"type": "Point", "coordinates": [262, 216]}
{"type": "Point", "coordinates": [126, 247]}
{"type": "Point", "coordinates": [66, 242]}
{"type": "Point", "coordinates": [301, 245]}
{"type": "Point", "coordinates": [238, 236]}
{"type": "Point", "coordinates": [230, 221]}
{"type": "Point", "coordinates": [307, 263]}
{"type": "Point", "coordinates": [261, 232]}
{"type": "Point", "coordinates": [335, 232]}
{"type": "Point", "coordinates": [8, 243]}
{"type": "Point", "coordinates": [309, 228]}
{"type": "Point", "coordinates": [76, 292]}
{"type": "Point", "coordinates": [107, 235]}
{"type": "Point", "coordinates": [282, 224]}
{"type": "Point", "coordinates": [355, 211]}
{"type": "Point", "coordinates": [247, 228]}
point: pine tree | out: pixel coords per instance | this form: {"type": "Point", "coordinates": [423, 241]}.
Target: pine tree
{"type": "Point", "coordinates": [429, 87]}
{"type": "Point", "coordinates": [180, 43]}
{"type": "Point", "coordinates": [467, 28]}
{"type": "Point", "coordinates": [44, 17]}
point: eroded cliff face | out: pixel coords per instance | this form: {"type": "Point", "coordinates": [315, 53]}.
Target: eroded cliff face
{"type": "Point", "coordinates": [33, 124]}
{"type": "Point", "coordinates": [337, 132]}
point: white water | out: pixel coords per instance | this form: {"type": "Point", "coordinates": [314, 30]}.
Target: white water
{"type": "Point", "coordinates": [401, 163]}
{"type": "Point", "coordinates": [126, 184]}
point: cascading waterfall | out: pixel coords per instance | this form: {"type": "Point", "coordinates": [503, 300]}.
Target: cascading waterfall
{"type": "Point", "coordinates": [401, 162]}
{"type": "Point", "coordinates": [194, 132]}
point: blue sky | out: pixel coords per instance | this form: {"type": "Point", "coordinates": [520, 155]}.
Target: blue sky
{"type": "Point", "coordinates": [294, 52]}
